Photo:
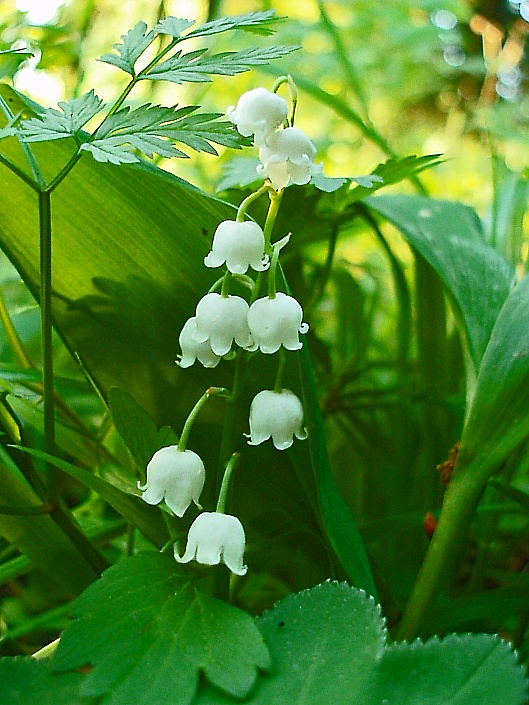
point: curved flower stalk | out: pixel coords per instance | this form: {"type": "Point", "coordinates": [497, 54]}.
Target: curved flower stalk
{"type": "Point", "coordinates": [213, 538]}
{"type": "Point", "coordinates": [287, 157]}
{"type": "Point", "coordinates": [220, 320]}
{"type": "Point", "coordinates": [239, 245]}
{"type": "Point", "coordinates": [174, 475]}
{"type": "Point", "coordinates": [193, 348]}
{"type": "Point", "coordinates": [258, 112]}
{"type": "Point", "coordinates": [276, 415]}
{"type": "Point", "coordinates": [276, 322]}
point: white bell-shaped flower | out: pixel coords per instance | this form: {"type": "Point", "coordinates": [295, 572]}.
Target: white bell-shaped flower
{"type": "Point", "coordinates": [214, 538]}
{"type": "Point", "coordinates": [276, 322]}
{"type": "Point", "coordinates": [278, 415]}
{"type": "Point", "coordinates": [259, 112]}
{"type": "Point", "coordinates": [174, 475]}
{"type": "Point", "coordinates": [222, 319]}
{"type": "Point", "coordinates": [195, 349]}
{"type": "Point", "coordinates": [287, 158]}
{"type": "Point", "coordinates": [240, 245]}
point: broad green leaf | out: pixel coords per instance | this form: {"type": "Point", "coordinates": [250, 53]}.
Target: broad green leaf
{"type": "Point", "coordinates": [149, 635]}
{"type": "Point", "coordinates": [39, 537]}
{"type": "Point", "coordinates": [55, 124]}
{"type": "Point", "coordinates": [137, 428]}
{"type": "Point", "coordinates": [145, 518]}
{"type": "Point", "coordinates": [498, 421]}
{"type": "Point", "coordinates": [239, 172]}
{"type": "Point", "coordinates": [255, 22]}
{"type": "Point", "coordinates": [340, 524]}
{"type": "Point", "coordinates": [328, 646]}
{"type": "Point", "coordinates": [133, 44]}
{"type": "Point", "coordinates": [28, 681]}
{"type": "Point", "coordinates": [448, 236]}
{"type": "Point", "coordinates": [197, 66]}
{"type": "Point", "coordinates": [468, 669]}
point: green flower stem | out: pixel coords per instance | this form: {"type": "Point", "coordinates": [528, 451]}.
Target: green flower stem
{"type": "Point", "coordinates": [230, 420]}
{"type": "Point", "coordinates": [460, 502]}
{"type": "Point", "coordinates": [272, 273]}
{"type": "Point", "coordinates": [223, 494]}
{"type": "Point", "coordinates": [195, 411]}
{"type": "Point", "coordinates": [37, 182]}
{"type": "Point", "coordinates": [273, 209]}
{"type": "Point", "coordinates": [278, 386]}
{"type": "Point", "coordinates": [225, 288]}
{"type": "Point", "coordinates": [47, 341]}
{"type": "Point", "coordinates": [15, 341]}
{"type": "Point", "coordinates": [250, 199]}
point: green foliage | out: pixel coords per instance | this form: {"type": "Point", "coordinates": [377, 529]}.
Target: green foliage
{"type": "Point", "coordinates": [149, 634]}
{"type": "Point", "coordinates": [327, 645]}
{"type": "Point", "coordinates": [25, 680]}
{"type": "Point", "coordinates": [449, 237]}
{"type": "Point", "coordinates": [133, 44]}
{"type": "Point", "coordinates": [197, 67]}
{"type": "Point", "coordinates": [54, 125]}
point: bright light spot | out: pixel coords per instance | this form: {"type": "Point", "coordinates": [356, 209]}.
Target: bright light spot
{"type": "Point", "coordinates": [40, 12]}
{"type": "Point", "coordinates": [505, 91]}
{"type": "Point", "coordinates": [40, 85]}
{"type": "Point", "coordinates": [444, 19]}
{"type": "Point", "coordinates": [425, 213]}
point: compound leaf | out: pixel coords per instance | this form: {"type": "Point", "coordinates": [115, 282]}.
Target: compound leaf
{"type": "Point", "coordinates": [174, 26]}
{"type": "Point", "coordinates": [197, 66]}
{"type": "Point", "coordinates": [149, 635]}
{"type": "Point", "coordinates": [54, 124]}
{"type": "Point", "coordinates": [255, 22]}
{"type": "Point", "coordinates": [133, 44]}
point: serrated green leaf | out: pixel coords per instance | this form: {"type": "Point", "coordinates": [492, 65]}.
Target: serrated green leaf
{"type": "Point", "coordinates": [149, 128]}
{"type": "Point", "coordinates": [27, 681]}
{"type": "Point", "coordinates": [174, 26]}
{"type": "Point", "coordinates": [328, 646]}
{"type": "Point", "coordinates": [449, 237]}
{"type": "Point", "coordinates": [255, 22]}
{"type": "Point", "coordinates": [136, 427]}
{"type": "Point", "coordinates": [133, 44]}
{"type": "Point", "coordinates": [197, 66]}
{"type": "Point", "coordinates": [239, 173]}
{"type": "Point", "coordinates": [468, 669]}
{"type": "Point", "coordinates": [392, 172]}
{"type": "Point", "coordinates": [327, 183]}
{"type": "Point", "coordinates": [55, 124]}
{"type": "Point", "coordinates": [149, 635]}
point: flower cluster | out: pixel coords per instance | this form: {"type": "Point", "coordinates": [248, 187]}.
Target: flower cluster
{"type": "Point", "coordinates": [286, 153]}
{"type": "Point", "coordinates": [224, 323]}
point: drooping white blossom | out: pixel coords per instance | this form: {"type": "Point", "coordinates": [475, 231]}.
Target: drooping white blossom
{"type": "Point", "coordinates": [214, 538]}
{"type": "Point", "coordinates": [222, 319]}
{"type": "Point", "coordinates": [174, 475]}
{"type": "Point", "coordinates": [259, 112]}
{"type": "Point", "coordinates": [278, 415]}
{"type": "Point", "coordinates": [276, 322]}
{"type": "Point", "coordinates": [287, 157]}
{"type": "Point", "coordinates": [239, 245]}
{"type": "Point", "coordinates": [193, 348]}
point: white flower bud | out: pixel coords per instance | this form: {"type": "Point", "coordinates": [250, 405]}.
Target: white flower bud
{"type": "Point", "coordinates": [276, 322]}
{"type": "Point", "coordinates": [278, 415]}
{"type": "Point", "coordinates": [258, 112]}
{"type": "Point", "coordinates": [287, 158]}
{"type": "Point", "coordinates": [174, 475]}
{"type": "Point", "coordinates": [240, 245]}
{"type": "Point", "coordinates": [195, 349]}
{"type": "Point", "coordinates": [221, 320]}
{"type": "Point", "coordinates": [214, 538]}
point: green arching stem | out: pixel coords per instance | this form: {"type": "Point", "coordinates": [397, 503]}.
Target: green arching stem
{"type": "Point", "coordinates": [37, 182]}
{"type": "Point", "coordinates": [182, 443]}
{"type": "Point", "coordinates": [226, 279]}
{"type": "Point", "coordinates": [460, 502]}
{"type": "Point", "coordinates": [293, 90]}
{"type": "Point", "coordinates": [275, 202]}
{"type": "Point", "coordinates": [250, 199]}
{"type": "Point", "coordinates": [272, 273]}
{"type": "Point", "coordinates": [223, 494]}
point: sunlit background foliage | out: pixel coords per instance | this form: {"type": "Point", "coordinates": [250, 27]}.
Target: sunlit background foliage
{"type": "Point", "coordinates": [376, 80]}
